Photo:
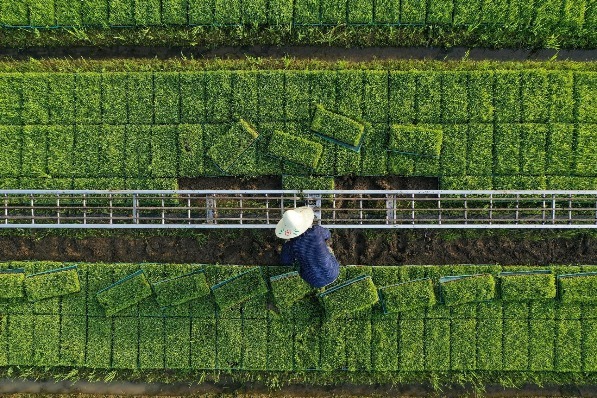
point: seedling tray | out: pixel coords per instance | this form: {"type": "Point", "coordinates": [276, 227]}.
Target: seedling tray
{"type": "Point", "coordinates": [181, 289]}
{"type": "Point", "coordinates": [142, 291]}
{"type": "Point", "coordinates": [59, 283]}
{"type": "Point", "coordinates": [228, 293]}
{"type": "Point", "coordinates": [325, 122]}
{"type": "Point", "coordinates": [540, 289]}
{"type": "Point", "coordinates": [356, 148]}
{"type": "Point", "coordinates": [424, 295]}
{"type": "Point", "coordinates": [288, 288]}
{"type": "Point", "coordinates": [358, 300]}
{"type": "Point", "coordinates": [236, 158]}
{"type": "Point", "coordinates": [590, 287]}
{"type": "Point", "coordinates": [12, 283]}
{"type": "Point", "coordinates": [453, 278]}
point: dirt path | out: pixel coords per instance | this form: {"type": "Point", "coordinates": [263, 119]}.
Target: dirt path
{"type": "Point", "coordinates": [302, 52]}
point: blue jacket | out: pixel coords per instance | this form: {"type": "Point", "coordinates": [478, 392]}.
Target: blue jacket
{"type": "Point", "coordinates": [318, 266]}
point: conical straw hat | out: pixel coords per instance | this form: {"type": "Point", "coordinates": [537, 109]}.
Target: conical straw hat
{"type": "Point", "coordinates": [294, 222]}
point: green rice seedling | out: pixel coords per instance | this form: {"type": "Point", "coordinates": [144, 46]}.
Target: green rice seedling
{"type": "Point", "coordinates": [463, 343]}
{"type": "Point", "coordinates": [338, 127]}
{"type": "Point", "coordinates": [565, 183]}
{"type": "Point", "coordinates": [33, 152]}
{"type": "Point", "coordinates": [218, 90]}
{"type": "Point", "coordinates": [415, 140]}
{"type": "Point", "coordinates": [480, 96]}
{"type": "Point", "coordinates": [586, 96]}
{"type": "Point", "coordinates": [94, 12]}
{"type": "Point", "coordinates": [360, 12]}
{"type": "Point", "coordinates": [455, 97]}
{"type": "Point", "coordinates": [201, 12]}
{"type": "Point", "coordinates": [137, 158]}
{"type": "Point", "coordinates": [190, 150]}
{"type": "Point", "coordinates": [280, 12]}
{"type": "Point", "coordinates": [239, 288]}
{"type": "Point", "coordinates": [228, 11]}
{"type": "Point", "coordinates": [192, 91]}
{"type": "Point", "coordinates": [407, 296]}
{"type": "Point", "coordinates": [111, 150]}
{"type": "Point", "coordinates": [247, 100]}
{"type": "Point", "coordinates": [46, 329]}
{"type": "Point", "coordinates": [177, 333]}
{"type": "Point", "coordinates": [387, 11]}
{"type": "Point", "coordinates": [437, 344]}
{"type": "Point", "coordinates": [181, 289]}
{"type": "Point", "coordinates": [114, 98]}
{"type": "Point", "coordinates": [230, 343]}
{"type": "Point", "coordinates": [507, 149]}
{"type": "Point", "coordinates": [12, 283]}
{"type": "Point", "coordinates": [61, 98]}
{"type": "Point", "coordinates": [60, 153]}
{"type": "Point", "coordinates": [52, 283]}
{"type": "Point", "coordinates": [254, 13]}
{"type": "Point", "coordinates": [297, 96]}
{"type": "Point", "coordinates": [255, 349]}
{"type": "Point", "coordinates": [351, 296]}
{"type": "Point", "coordinates": [67, 13]}
{"type": "Point", "coordinates": [73, 330]}
{"type": "Point", "coordinates": [232, 145]}
{"type": "Point", "coordinates": [507, 97]}
{"type": "Point", "coordinates": [519, 182]}
{"type": "Point", "coordinates": [166, 97]}
{"type": "Point", "coordinates": [124, 293]}
{"type": "Point", "coordinates": [535, 96]}
{"type": "Point", "coordinates": [147, 13]}
{"type": "Point", "coordinates": [151, 343]}
{"type": "Point", "coordinates": [349, 95]}
{"type": "Point", "coordinates": [164, 151]}
{"type": "Point", "coordinates": [88, 98]}
{"type": "Point", "coordinates": [453, 153]}
{"type": "Point", "coordinates": [457, 290]}
{"type": "Point", "coordinates": [429, 97]}
{"type": "Point", "coordinates": [306, 11]}
{"type": "Point", "coordinates": [568, 351]}
{"type": "Point", "coordinates": [527, 285]}
{"type": "Point", "coordinates": [333, 11]}
{"type": "Point", "coordinates": [560, 154]}
{"type": "Point", "coordinates": [203, 343]}
{"type": "Point", "coordinates": [479, 150]}
{"type": "Point", "coordinates": [10, 100]}
{"type": "Point", "coordinates": [288, 288]}
{"type": "Point", "coordinates": [121, 12]}
{"type": "Point", "coordinates": [586, 156]}
{"type": "Point", "coordinates": [270, 87]}
{"type": "Point", "coordinates": [533, 138]}
{"type": "Point", "coordinates": [35, 98]}
{"type": "Point", "coordinates": [295, 149]}
{"type": "Point", "coordinates": [124, 343]}
{"type": "Point", "coordinates": [413, 11]}
{"type": "Point", "coordinates": [411, 333]}
{"type": "Point", "coordinates": [577, 288]}
{"type": "Point", "coordinates": [14, 13]}
{"type": "Point", "coordinates": [140, 94]}
{"type": "Point", "coordinates": [174, 12]}
{"type": "Point", "coordinates": [10, 151]}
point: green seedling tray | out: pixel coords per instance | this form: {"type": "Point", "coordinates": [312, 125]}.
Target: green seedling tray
{"type": "Point", "coordinates": [451, 278]}
{"type": "Point", "coordinates": [322, 297]}
{"type": "Point", "coordinates": [507, 274]}
{"type": "Point", "coordinates": [236, 158]}
{"type": "Point", "coordinates": [261, 289]}
{"type": "Point", "coordinates": [181, 299]}
{"type": "Point", "coordinates": [570, 276]}
{"type": "Point", "coordinates": [60, 292]}
{"type": "Point", "coordinates": [298, 293]}
{"type": "Point", "coordinates": [135, 274]}
{"type": "Point", "coordinates": [382, 299]}
{"type": "Point", "coordinates": [14, 283]}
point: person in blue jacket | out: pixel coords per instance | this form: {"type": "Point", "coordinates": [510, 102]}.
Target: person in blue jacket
{"type": "Point", "coordinates": [306, 247]}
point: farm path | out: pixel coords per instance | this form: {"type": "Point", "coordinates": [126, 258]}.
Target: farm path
{"type": "Point", "coordinates": [324, 53]}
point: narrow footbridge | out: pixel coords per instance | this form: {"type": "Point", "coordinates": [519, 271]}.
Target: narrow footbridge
{"type": "Point", "coordinates": [262, 209]}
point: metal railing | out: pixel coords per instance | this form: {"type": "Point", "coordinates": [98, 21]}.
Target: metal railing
{"type": "Point", "coordinates": [263, 209]}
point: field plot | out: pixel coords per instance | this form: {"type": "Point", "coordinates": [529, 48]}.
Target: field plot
{"type": "Point", "coordinates": [525, 335]}
{"type": "Point", "coordinates": [500, 129]}
{"type": "Point", "coordinates": [570, 14]}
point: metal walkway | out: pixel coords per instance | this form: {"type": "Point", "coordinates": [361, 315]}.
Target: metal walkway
{"type": "Point", "coordinates": [263, 209]}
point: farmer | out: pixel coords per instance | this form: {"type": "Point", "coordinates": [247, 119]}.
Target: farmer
{"type": "Point", "coordinates": [306, 246]}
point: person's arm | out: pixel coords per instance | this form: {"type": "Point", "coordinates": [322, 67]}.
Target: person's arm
{"type": "Point", "coordinates": [286, 256]}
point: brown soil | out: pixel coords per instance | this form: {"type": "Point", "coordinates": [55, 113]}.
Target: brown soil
{"type": "Point", "coordinates": [351, 247]}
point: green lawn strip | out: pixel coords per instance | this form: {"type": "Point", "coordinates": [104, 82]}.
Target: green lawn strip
{"type": "Point", "coordinates": [52, 283]}
{"type": "Point", "coordinates": [124, 293]}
